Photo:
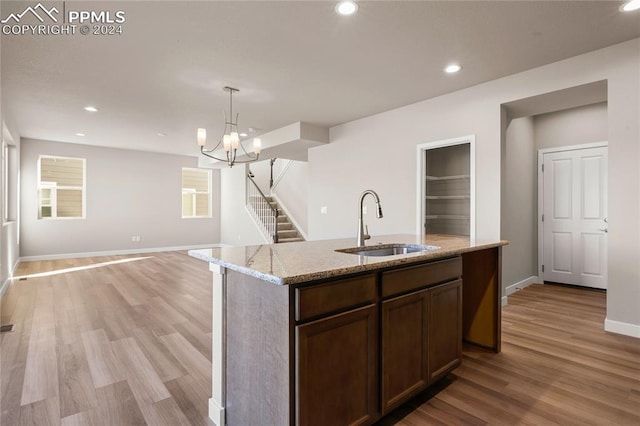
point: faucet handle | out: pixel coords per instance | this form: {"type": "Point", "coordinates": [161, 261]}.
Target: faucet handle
{"type": "Point", "coordinates": [366, 233]}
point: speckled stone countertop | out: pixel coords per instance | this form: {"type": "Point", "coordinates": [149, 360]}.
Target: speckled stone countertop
{"type": "Point", "coordinates": [292, 263]}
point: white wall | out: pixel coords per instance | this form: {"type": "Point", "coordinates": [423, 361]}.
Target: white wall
{"type": "Point", "coordinates": [128, 193]}
{"type": "Point", "coordinates": [573, 126]}
{"type": "Point", "coordinates": [261, 171]}
{"type": "Point", "coordinates": [237, 226]}
{"type": "Point", "coordinates": [519, 204]}
{"type": "Point", "coordinates": [293, 193]}
{"type": "Point", "coordinates": [378, 152]}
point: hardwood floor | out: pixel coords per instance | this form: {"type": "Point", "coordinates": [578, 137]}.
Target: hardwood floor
{"type": "Point", "coordinates": [128, 341]}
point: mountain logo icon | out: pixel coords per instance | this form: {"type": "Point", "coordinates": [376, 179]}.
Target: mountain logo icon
{"type": "Point", "coordinates": [38, 11]}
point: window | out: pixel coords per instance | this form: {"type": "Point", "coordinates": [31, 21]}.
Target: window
{"type": "Point", "coordinates": [61, 187]}
{"type": "Point", "coordinates": [196, 192]}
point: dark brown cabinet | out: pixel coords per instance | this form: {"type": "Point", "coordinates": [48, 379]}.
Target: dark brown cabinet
{"type": "Point", "coordinates": [367, 344]}
{"type": "Point", "coordinates": [445, 329]}
{"type": "Point", "coordinates": [336, 369]}
{"type": "Point", "coordinates": [404, 348]}
{"type": "Point", "coordinates": [421, 331]}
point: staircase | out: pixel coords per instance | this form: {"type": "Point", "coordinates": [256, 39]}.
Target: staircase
{"type": "Point", "coordinates": [269, 216]}
{"type": "Point", "coordinates": [287, 232]}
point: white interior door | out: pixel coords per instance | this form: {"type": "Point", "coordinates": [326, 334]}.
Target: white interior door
{"type": "Point", "coordinates": [575, 217]}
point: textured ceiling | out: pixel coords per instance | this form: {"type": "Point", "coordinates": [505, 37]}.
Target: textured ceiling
{"type": "Point", "coordinates": [292, 61]}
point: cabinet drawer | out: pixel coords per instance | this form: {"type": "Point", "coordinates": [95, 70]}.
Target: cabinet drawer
{"type": "Point", "coordinates": [414, 277]}
{"type": "Point", "coordinates": [334, 296]}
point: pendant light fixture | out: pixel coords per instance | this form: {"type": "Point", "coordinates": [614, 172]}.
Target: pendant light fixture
{"type": "Point", "coordinates": [230, 140]}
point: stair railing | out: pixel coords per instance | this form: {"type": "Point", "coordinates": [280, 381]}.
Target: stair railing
{"type": "Point", "coordinates": [265, 214]}
{"type": "Point", "coordinates": [276, 181]}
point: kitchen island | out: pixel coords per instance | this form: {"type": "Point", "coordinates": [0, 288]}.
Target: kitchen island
{"type": "Point", "coordinates": [304, 334]}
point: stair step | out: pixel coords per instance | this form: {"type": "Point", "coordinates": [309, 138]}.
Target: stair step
{"type": "Point", "coordinates": [290, 233]}
{"type": "Point", "coordinates": [285, 226]}
{"type": "Point", "coordinates": [289, 240]}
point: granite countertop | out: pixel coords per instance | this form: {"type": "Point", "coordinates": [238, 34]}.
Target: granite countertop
{"type": "Point", "coordinates": [292, 263]}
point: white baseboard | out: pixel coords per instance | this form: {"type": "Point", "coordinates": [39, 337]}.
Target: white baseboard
{"type": "Point", "coordinates": [4, 287]}
{"type": "Point", "coordinates": [116, 252]}
{"type": "Point", "coordinates": [216, 413]}
{"type": "Point", "coordinates": [510, 289]}
{"type": "Point", "coordinates": [5, 284]}
{"type": "Point", "coordinates": [291, 218]}
{"type": "Point", "coordinates": [625, 328]}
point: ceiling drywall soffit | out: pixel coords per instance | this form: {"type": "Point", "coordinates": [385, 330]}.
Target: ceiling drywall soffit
{"type": "Point", "coordinates": [290, 142]}
{"type": "Point", "coordinates": [571, 97]}
{"type": "Point", "coordinates": [292, 61]}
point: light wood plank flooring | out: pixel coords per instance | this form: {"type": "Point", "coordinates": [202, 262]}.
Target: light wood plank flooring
{"type": "Point", "coordinates": [128, 342]}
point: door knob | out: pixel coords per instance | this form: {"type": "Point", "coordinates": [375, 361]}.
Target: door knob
{"type": "Point", "coordinates": [605, 230]}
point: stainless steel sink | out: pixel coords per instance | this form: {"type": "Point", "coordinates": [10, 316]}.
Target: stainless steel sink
{"type": "Point", "coordinates": [387, 250]}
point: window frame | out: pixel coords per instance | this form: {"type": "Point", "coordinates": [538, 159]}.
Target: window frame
{"type": "Point", "coordinates": [54, 189]}
{"type": "Point", "coordinates": [5, 181]}
{"type": "Point", "coordinates": [193, 193]}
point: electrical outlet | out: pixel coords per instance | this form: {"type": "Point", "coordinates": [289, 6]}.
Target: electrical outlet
{"type": "Point", "coordinates": [323, 210]}
{"type": "Point", "coordinates": [135, 238]}
{"type": "Point", "coordinates": [364, 210]}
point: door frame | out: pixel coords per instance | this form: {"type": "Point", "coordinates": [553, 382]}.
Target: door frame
{"type": "Point", "coordinates": [541, 152]}
{"type": "Point", "coordinates": [421, 186]}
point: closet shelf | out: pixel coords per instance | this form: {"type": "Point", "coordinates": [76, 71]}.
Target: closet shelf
{"type": "Point", "coordinates": [448, 197]}
{"type": "Point", "coordinates": [453, 177]}
{"type": "Point", "coordinates": [447, 216]}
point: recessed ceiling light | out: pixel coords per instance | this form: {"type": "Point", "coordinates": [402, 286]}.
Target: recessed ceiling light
{"type": "Point", "coordinates": [161, 134]}
{"type": "Point", "coordinates": [80, 134]}
{"type": "Point", "coordinates": [630, 5]}
{"type": "Point", "coordinates": [243, 135]}
{"type": "Point", "coordinates": [91, 108]}
{"type": "Point", "coordinates": [452, 68]}
{"type": "Point", "coordinates": [346, 7]}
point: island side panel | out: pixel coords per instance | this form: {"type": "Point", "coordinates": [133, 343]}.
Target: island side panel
{"type": "Point", "coordinates": [482, 298]}
{"type": "Point", "coordinates": [218, 350]}
{"type": "Point", "coordinates": [259, 346]}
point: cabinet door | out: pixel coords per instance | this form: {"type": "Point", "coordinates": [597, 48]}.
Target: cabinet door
{"type": "Point", "coordinates": [336, 369]}
{"type": "Point", "coordinates": [404, 348]}
{"type": "Point", "coordinates": [445, 328]}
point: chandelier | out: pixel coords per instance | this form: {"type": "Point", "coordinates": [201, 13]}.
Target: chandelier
{"type": "Point", "coordinates": [230, 140]}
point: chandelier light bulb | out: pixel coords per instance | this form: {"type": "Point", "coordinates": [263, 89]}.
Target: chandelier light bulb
{"type": "Point", "coordinates": [235, 140]}
{"type": "Point", "coordinates": [202, 136]}
{"type": "Point", "coordinates": [257, 145]}
{"type": "Point", "coordinates": [226, 142]}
